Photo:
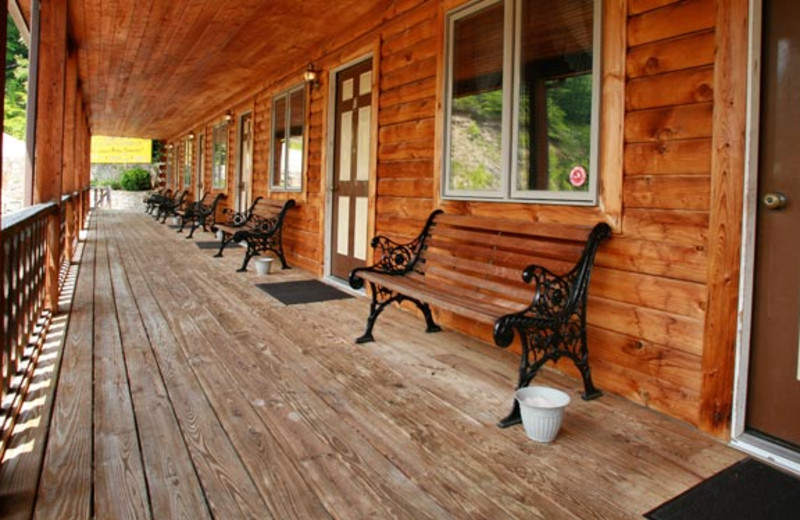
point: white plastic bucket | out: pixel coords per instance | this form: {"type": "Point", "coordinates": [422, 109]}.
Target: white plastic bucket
{"type": "Point", "coordinates": [263, 266]}
{"type": "Point", "coordinates": [542, 410]}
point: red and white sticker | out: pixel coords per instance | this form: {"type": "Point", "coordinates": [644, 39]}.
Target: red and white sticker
{"type": "Point", "coordinates": [577, 177]}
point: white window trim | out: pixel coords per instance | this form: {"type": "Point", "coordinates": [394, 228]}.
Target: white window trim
{"type": "Point", "coordinates": [510, 117]}
{"type": "Point", "coordinates": [282, 187]}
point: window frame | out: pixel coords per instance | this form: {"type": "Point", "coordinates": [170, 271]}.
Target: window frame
{"type": "Point", "coordinates": [219, 181]}
{"type": "Point", "coordinates": [287, 94]}
{"type": "Point", "coordinates": [512, 38]}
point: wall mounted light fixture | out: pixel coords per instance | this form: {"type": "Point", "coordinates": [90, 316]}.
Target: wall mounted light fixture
{"type": "Point", "coordinates": [228, 116]}
{"type": "Point", "coordinates": [311, 76]}
{"type": "Point", "coordinates": [191, 135]}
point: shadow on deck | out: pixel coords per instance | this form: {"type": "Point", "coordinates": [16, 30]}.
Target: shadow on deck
{"type": "Point", "coordinates": [185, 391]}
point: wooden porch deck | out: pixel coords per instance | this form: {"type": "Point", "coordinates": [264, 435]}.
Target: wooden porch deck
{"type": "Point", "coordinates": [183, 391]}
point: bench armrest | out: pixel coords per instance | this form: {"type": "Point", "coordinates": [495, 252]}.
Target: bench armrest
{"type": "Point", "coordinates": [396, 259]}
{"type": "Point", "coordinates": [234, 218]}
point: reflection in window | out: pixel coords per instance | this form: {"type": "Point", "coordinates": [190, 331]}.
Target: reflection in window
{"type": "Point", "coordinates": [530, 137]}
{"type": "Point", "coordinates": [188, 156]}
{"type": "Point", "coordinates": [219, 171]}
{"type": "Point", "coordinates": [288, 126]}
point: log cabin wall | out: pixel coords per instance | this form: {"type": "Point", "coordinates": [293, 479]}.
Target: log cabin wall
{"type": "Point", "coordinates": [649, 294]}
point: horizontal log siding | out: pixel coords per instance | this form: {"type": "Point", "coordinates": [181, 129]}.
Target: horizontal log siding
{"type": "Point", "coordinates": [648, 296]}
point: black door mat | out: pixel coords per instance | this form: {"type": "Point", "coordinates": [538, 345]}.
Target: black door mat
{"type": "Point", "coordinates": [215, 245]}
{"type": "Point", "coordinates": [304, 291]}
{"type": "Point", "coordinates": [746, 490]}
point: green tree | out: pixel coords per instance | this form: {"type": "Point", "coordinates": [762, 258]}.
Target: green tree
{"type": "Point", "coordinates": [16, 92]}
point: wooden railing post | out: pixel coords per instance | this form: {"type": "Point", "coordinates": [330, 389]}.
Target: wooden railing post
{"type": "Point", "coordinates": [52, 261]}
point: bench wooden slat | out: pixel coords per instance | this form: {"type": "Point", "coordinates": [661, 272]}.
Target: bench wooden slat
{"type": "Point", "coordinates": [412, 286]}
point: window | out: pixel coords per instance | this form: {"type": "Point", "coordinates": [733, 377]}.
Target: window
{"type": "Point", "coordinates": [187, 162]}
{"type": "Point", "coordinates": [219, 171]}
{"type": "Point", "coordinates": [288, 124]}
{"type": "Point", "coordinates": [521, 101]}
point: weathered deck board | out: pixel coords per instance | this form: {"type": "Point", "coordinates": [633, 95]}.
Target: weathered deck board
{"type": "Point", "coordinates": [119, 483]}
{"type": "Point", "coordinates": [164, 453]}
{"type": "Point", "coordinates": [243, 407]}
{"type": "Point", "coordinates": [65, 486]}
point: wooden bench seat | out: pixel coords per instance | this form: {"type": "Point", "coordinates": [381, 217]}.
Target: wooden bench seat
{"type": "Point", "coordinates": [260, 227]}
{"type": "Point", "coordinates": [200, 213]}
{"type": "Point", "coordinates": [483, 269]}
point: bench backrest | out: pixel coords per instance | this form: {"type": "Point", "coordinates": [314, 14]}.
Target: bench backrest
{"type": "Point", "coordinates": [269, 210]}
{"type": "Point", "coordinates": [467, 254]}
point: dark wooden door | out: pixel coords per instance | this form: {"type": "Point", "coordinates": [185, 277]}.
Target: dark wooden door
{"type": "Point", "coordinates": [773, 404]}
{"type": "Point", "coordinates": [351, 160]}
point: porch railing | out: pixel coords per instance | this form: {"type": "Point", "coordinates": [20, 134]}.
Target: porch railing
{"type": "Point", "coordinates": [31, 283]}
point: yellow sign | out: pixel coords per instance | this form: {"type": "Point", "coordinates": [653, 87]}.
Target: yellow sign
{"type": "Point", "coordinates": [121, 150]}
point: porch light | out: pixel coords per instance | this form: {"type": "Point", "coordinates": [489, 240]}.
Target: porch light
{"type": "Point", "coordinates": [169, 146]}
{"type": "Point", "coordinates": [228, 116]}
{"type": "Point", "coordinates": [191, 136]}
{"type": "Point", "coordinates": [311, 76]}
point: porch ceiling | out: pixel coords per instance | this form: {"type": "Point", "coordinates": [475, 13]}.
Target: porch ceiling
{"type": "Point", "coordinates": [154, 68]}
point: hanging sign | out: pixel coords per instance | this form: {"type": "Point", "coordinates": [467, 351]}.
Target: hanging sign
{"type": "Point", "coordinates": [121, 150]}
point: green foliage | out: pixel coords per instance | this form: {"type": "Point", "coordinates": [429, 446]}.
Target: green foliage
{"type": "Point", "coordinates": [16, 92]}
{"type": "Point", "coordinates": [135, 179]}
{"type": "Point", "coordinates": [569, 115]}
{"type": "Point", "coordinates": [486, 106]}
{"type": "Point", "coordinates": [112, 183]}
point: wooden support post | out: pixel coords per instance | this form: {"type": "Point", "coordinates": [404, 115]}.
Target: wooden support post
{"type": "Point", "coordinates": [50, 128]}
{"type": "Point", "coordinates": [724, 235]}
{"type": "Point", "coordinates": [3, 21]}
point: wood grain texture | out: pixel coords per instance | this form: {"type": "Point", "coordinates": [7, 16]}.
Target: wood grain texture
{"type": "Point", "coordinates": [324, 428]}
{"type": "Point", "coordinates": [120, 490]}
{"type": "Point", "coordinates": [675, 19]}
{"type": "Point", "coordinates": [65, 484]}
{"type": "Point", "coordinates": [695, 50]}
{"type": "Point", "coordinates": [727, 174]}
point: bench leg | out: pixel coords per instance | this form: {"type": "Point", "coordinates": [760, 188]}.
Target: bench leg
{"type": "Point", "coordinates": [380, 299]}
{"type": "Point", "coordinates": [191, 232]}
{"type": "Point", "coordinates": [431, 325]}
{"type": "Point", "coordinates": [553, 348]}
{"type": "Point", "coordinates": [247, 256]}
{"type": "Point", "coordinates": [222, 246]}
{"type": "Point", "coordinates": [279, 253]}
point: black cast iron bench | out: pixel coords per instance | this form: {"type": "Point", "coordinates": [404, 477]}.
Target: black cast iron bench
{"type": "Point", "coordinates": [200, 213]}
{"type": "Point", "coordinates": [481, 268]}
{"type": "Point", "coordinates": [155, 198]}
{"type": "Point", "coordinates": [260, 227]}
{"type": "Point", "coordinates": [168, 206]}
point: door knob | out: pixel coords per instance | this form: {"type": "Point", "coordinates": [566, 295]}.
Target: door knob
{"type": "Point", "coordinates": [775, 200]}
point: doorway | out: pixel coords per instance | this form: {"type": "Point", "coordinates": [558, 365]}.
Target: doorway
{"type": "Point", "coordinates": [351, 165]}
{"type": "Point", "coordinates": [773, 394]}
{"type": "Point", "coordinates": [244, 162]}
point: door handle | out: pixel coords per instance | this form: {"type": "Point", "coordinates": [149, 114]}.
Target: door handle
{"type": "Point", "coordinates": [775, 200]}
